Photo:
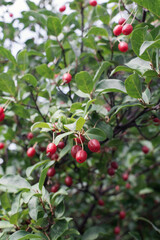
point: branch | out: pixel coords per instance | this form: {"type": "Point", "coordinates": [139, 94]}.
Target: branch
{"type": "Point", "coordinates": [82, 26]}
{"type": "Point", "coordinates": [130, 12]}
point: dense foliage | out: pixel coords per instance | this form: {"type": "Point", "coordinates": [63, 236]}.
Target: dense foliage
{"type": "Point", "coordinates": [76, 81]}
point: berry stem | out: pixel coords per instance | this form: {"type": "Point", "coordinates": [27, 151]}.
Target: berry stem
{"type": "Point", "coordinates": [128, 17]}
{"type": "Point", "coordinates": [81, 141]}
{"type": "Point", "coordinates": [6, 104]}
{"type": "Point", "coordinates": [35, 145]}
{"type": "Point", "coordinates": [134, 17]}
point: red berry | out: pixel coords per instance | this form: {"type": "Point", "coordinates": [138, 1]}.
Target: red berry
{"type": "Point", "coordinates": [93, 3]}
{"type": "Point", "coordinates": [2, 116]}
{"type": "Point", "coordinates": [81, 156]}
{"type": "Point", "coordinates": [30, 135]}
{"type": "Point", "coordinates": [31, 152]}
{"type": "Point", "coordinates": [74, 150]}
{"type": "Point", "coordinates": [125, 176]}
{"type": "Point", "coordinates": [128, 185]}
{"type": "Point", "coordinates": [117, 230]}
{"type": "Point", "coordinates": [156, 120]}
{"type": "Point", "coordinates": [122, 215]}
{"type": "Point", "coordinates": [67, 77]}
{"type": "Point", "coordinates": [127, 29]}
{"type": "Point", "coordinates": [123, 47]}
{"type": "Point", "coordinates": [61, 145]}
{"type": "Point", "coordinates": [62, 8]}
{"type": "Point", "coordinates": [54, 156]}
{"type": "Point", "coordinates": [117, 30]}
{"type": "Point", "coordinates": [11, 14]}
{"type": "Point", "coordinates": [42, 149]}
{"type": "Point", "coordinates": [68, 181]}
{"type": "Point", "coordinates": [79, 139]}
{"type": "Point", "coordinates": [145, 149]}
{"type": "Point", "coordinates": [54, 127]}
{"type": "Point", "coordinates": [1, 145]}
{"type": "Point", "coordinates": [94, 145]}
{"type": "Point", "coordinates": [117, 188]}
{"type": "Point", "coordinates": [111, 171]}
{"type": "Point", "coordinates": [121, 21]}
{"type": "Point", "coordinates": [51, 172]}
{"type": "Point", "coordinates": [51, 148]}
{"type": "Point", "coordinates": [1, 110]}
{"type": "Point", "coordinates": [55, 188]}
{"type": "Point", "coordinates": [100, 202]}
{"type": "Point", "coordinates": [114, 165]}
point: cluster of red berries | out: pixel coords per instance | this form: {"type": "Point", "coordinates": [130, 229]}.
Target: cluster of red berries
{"type": "Point", "coordinates": [2, 115]}
{"type": "Point", "coordinates": [126, 29]}
{"type": "Point", "coordinates": [79, 154]}
{"type": "Point", "coordinates": [113, 168]}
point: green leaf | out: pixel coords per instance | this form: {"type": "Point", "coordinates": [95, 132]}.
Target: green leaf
{"type": "Point", "coordinates": [54, 26]}
{"type": "Point", "coordinates": [93, 233]}
{"type": "Point", "coordinates": [58, 229]}
{"type": "Point", "coordinates": [21, 111]}
{"type": "Point", "coordinates": [38, 17]}
{"type": "Point", "coordinates": [29, 78]}
{"type": "Point", "coordinates": [22, 60]}
{"type": "Point", "coordinates": [133, 235]}
{"type": "Point", "coordinates": [7, 54]}
{"type": "Point", "coordinates": [77, 125]}
{"type": "Point", "coordinates": [140, 65]}
{"type": "Point", "coordinates": [14, 183]}
{"type": "Point", "coordinates": [146, 191]}
{"type": "Point", "coordinates": [146, 220]}
{"type": "Point", "coordinates": [110, 85]}
{"type": "Point", "coordinates": [44, 71]}
{"type": "Point", "coordinates": [146, 95]}
{"type": "Point", "coordinates": [41, 125]}
{"type": "Point", "coordinates": [133, 86]}
{"type": "Point", "coordinates": [60, 209]}
{"type": "Point", "coordinates": [7, 84]}
{"type": "Point", "coordinates": [65, 150]}
{"type": "Point", "coordinates": [61, 136]}
{"type": "Point", "coordinates": [44, 173]}
{"type": "Point", "coordinates": [33, 208]}
{"type": "Point", "coordinates": [104, 66]}
{"type": "Point", "coordinates": [30, 169]}
{"type": "Point", "coordinates": [22, 235]}
{"type": "Point", "coordinates": [138, 36]}
{"type": "Point", "coordinates": [69, 18]}
{"type": "Point", "coordinates": [121, 68]}
{"type": "Point", "coordinates": [5, 201]}
{"type": "Point", "coordinates": [89, 42]}
{"type": "Point", "coordinates": [84, 82]}
{"type": "Point", "coordinates": [96, 133]}
{"type": "Point", "coordinates": [152, 6]}
{"type": "Point", "coordinates": [149, 44]}
{"type": "Point", "coordinates": [98, 31]}
{"type": "Point", "coordinates": [5, 224]}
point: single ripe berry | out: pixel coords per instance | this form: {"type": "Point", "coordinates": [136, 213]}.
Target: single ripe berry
{"type": "Point", "coordinates": [128, 185]}
{"type": "Point", "coordinates": [74, 150]}
{"type": "Point", "coordinates": [123, 47]}
{"type": "Point", "coordinates": [127, 29]}
{"type": "Point", "coordinates": [117, 230]}
{"type": "Point", "coordinates": [31, 152]}
{"type": "Point", "coordinates": [117, 188]}
{"type": "Point", "coordinates": [2, 116]}
{"type": "Point", "coordinates": [67, 77]}
{"type": "Point", "coordinates": [111, 171]}
{"type": "Point", "coordinates": [93, 3]}
{"type": "Point", "coordinates": [51, 148]}
{"type": "Point", "coordinates": [145, 149]}
{"type": "Point", "coordinates": [121, 21]}
{"type": "Point", "coordinates": [100, 202]}
{"type": "Point", "coordinates": [117, 30]}
{"type": "Point", "coordinates": [54, 156]}
{"type": "Point", "coordinates": [61, 145]}
{"type": "Point", "coordinates": [94, 145]}
{"type": "Point", "coordinates": [114, 165]}
{"type": "Point", "coordinates": [54, 127]}
{"type": "Point", "coordinates": [68, 181]}
{"type": "Point", "coordinates": [55, 188]}
{"type": "Point", "coordinates": [51, 172]}
{"type": "Point", "coordinates": [156, 120]}
{"type": "Point", "coordinates": [1, 145]}
{"type": "Point", "coordinates": [30, 135]}
{"type": "Point", "coordinates": [11, 14]}
{"type": "Point", "coordinates": [1, 110]}
{"type": "Point", "coordinates": [81, 156]}
{"type": "Point", "coordinates": [122, 214]}
{"type": "Point", "coordinates": [80, 139]}
{"type": "Point", "coordinates": [125, 176]}
{"type": "Point", "coordinates": [62, 8]}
